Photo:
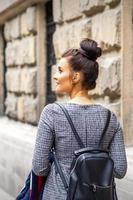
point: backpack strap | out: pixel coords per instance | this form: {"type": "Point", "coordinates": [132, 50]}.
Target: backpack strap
{"type": "Point", "coordinates": [72, 125]}
{"type": "Point", "coordinates": [59, 170]}
{"type": "Point", "coordinates": [103, 136]}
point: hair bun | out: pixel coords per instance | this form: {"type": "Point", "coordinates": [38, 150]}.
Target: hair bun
{"type": "Point", "coordinates": [90, 49]}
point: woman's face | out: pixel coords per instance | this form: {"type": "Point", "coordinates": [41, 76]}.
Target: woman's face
{"type": "Point", "coordinates": [63, 77]}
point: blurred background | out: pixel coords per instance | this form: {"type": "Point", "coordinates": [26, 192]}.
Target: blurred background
{"type": "Point", "coordinates": [33, 35]}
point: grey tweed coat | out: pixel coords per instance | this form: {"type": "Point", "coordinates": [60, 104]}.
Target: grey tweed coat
{"type": "Point", "coordinates": [89, 121]}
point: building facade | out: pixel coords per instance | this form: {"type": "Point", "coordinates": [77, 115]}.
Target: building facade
{"type": "Point", "coordinates": [34, 34]}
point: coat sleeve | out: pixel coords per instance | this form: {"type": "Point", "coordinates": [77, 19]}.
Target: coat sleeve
{"type": "Point", "coordinates": [118, 152]}
{"type": "Point", "coordinates": [44, 142]}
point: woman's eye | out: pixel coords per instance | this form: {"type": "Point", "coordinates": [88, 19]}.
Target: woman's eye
{"type": "Point", "coordinates": [60, 70]}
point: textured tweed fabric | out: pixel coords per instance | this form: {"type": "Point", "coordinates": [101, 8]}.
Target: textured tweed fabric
{"type": "Point", "coordinates": [89, 121]}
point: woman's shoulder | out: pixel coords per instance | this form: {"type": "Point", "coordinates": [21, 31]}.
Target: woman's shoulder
{"type": "Point", "coordinates": [56, 106]}
{"type": "Point", "coordinates": [51, 107]}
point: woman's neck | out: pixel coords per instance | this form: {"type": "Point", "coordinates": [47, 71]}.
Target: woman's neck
{"type": "Point", "coordinates": [81, 97]}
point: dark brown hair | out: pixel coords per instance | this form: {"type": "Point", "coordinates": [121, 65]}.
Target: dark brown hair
{"type": "Point", "coordinates": [84, 60]}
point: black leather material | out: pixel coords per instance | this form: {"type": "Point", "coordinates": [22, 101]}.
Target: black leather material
{"type": "Point", "coordinates": [91, 177]}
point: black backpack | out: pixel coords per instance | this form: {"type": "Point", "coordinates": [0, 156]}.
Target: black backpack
{"type": "Point", "coordinates": [91, 175]}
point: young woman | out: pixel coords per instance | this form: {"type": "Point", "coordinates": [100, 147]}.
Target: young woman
{"type": "Point", "coordinates": [76, 75]}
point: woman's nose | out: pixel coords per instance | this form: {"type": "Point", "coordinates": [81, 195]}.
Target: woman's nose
{"type": "Point", "coordinates": [55, 76]}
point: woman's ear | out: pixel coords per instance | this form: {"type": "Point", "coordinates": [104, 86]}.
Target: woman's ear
{"type": "Point", "coordinates": [76, 77]}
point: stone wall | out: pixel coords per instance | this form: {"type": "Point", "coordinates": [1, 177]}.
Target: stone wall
{"type": "Point", "coordinates": [101, 21]}
{"type": "Point", "coordinates": [21, 66]}
{"type": "Point", "coordinates": [1, 73]}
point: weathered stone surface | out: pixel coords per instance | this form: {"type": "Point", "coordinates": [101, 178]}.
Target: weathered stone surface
{"type": "Point", "coordinates": [7, 30]}
{"type": "Point", "coordinates": [12, 29]}
{"type": "Point", "coordinates": [60, 45]}
{"type": "Point", "coordinates": [24, 28]}
{"type": "Point", "coordinates": [91, 7]}
{"type": "Point", "coordinates": [11, 105]}
{"type": "Point", "coordinates": [28, 80]}
{"type": "Point", "coordinates": [109, 78]}
{"type": "Point", "coordinates": [106, 29]}
{"type": "Point", "coordinates": [13, 79]}
{"type": "Point", "coordinates": [57, 11]}
{"type": "Point", "coordinates": [70, 35]}
{"type": "Point", "coordinates": [30, 109]}
{"type": "Point", "coordinates": [28, 21]}
{"type": "Point", "coordinates": [20, 108]}
{"type": "Point", "coordinates": [113, 106]}
{"type": "Point", "coordinates": [1, 74]}
{"type": "Point", "coordinates": [108, 82]}
{"type": "Point", "coordinates": [21, 52]}
{"type": "Point", "coordinates": [26, 54]}
{"type": "Point", "coordinates": [23, 108]}
{"type": "Point", "coordinates": [112, 3]}
{"type": "Point", "coordinates": [11, 52]}
{"type": "Point", "coordinates": [1, 46]}
{"type": "Point", "coordinates": [71, 9]}
{"type": "Point", "coordinates": [31, 19]}
{"type": "Point", "coordinates": [22, 80]}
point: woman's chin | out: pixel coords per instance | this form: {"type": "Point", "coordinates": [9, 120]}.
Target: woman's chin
{"type": "Point", "coordinates": [59, 92]}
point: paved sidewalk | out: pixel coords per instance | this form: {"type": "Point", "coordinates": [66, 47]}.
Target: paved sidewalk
{"type": "Point", "coordinates": [5, 196]}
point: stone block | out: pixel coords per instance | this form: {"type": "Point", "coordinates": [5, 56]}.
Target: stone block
{"type": "Point", "coordinates": [60, 45]}
{"type": "Point", "coordinates": [91, 7]}
{"type": "Point", "coordinates": [30, 109]}
{"type": "Point", "coordinates": [20, 52]}
{"type": "Point", "coordinates": [112, 3]}
{"type": "Point", "coordinates": [1, 47]}
{"type": "Point", "coordinates": [26, 52]}
{"type": "Point", "coordinates": [31, 19]}
{"type": "Point", "coordinates": [1, 73]}
{"type": "Point", "coordinates": [57, 11]}
{"type": "Point", "coordinates": [71, 10]}
{"type": "Point", "coordinates": [28, 80]}
{"type": "Point", "coordinates": [11, 105]}
{"type": "Point", "coordinates": [28, 21]}
{"type": "Point", "coordinates": [12, 29]}
{"type": "Point", "coordinates": [13, 79]}
{"type": "Point", "coordinates": [24, 28]}
{"type": "Point", "coordinates": [109, 78]}
{"type": "Point", "coordinates": [71, 35]}
{"type": "Point", "coordinates": [106, 29]}
{"type": "Point", "coordinates": [7, 30]}
{"type": "Point", "coordinates": [11, 52]}
{"type": "Point", "coordinates": [108, 82]}
{"type": "Point", "coordinates": [20, 108]}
